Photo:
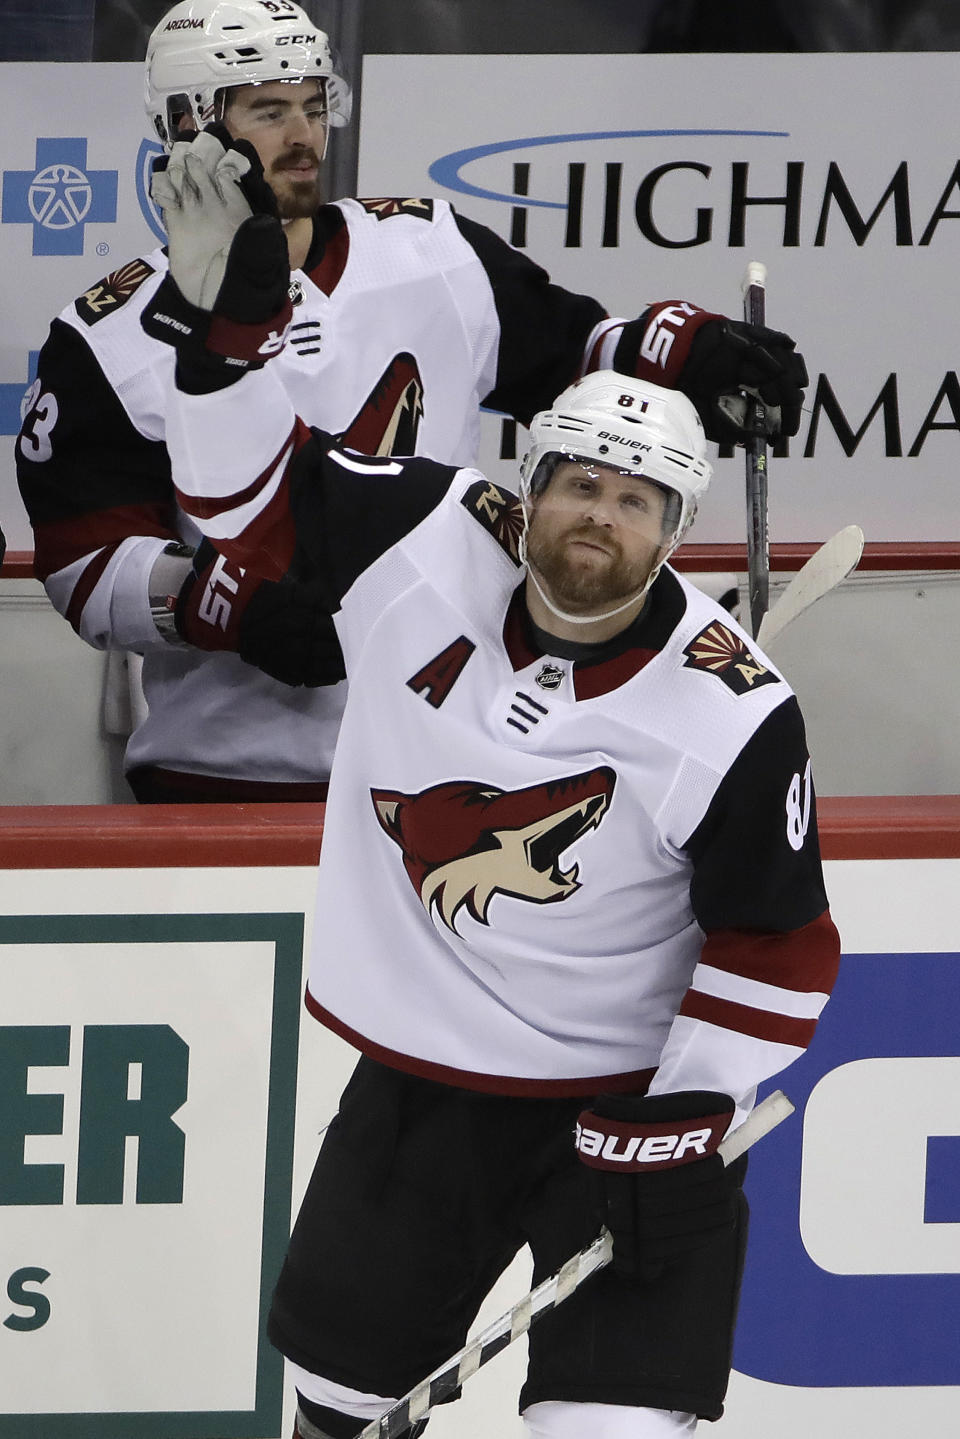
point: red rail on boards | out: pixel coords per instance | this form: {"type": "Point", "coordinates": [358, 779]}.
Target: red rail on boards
{"type": "Point", "coordinates": [877, 555]}
{"type": "Point", "coordinates": [189, 836]}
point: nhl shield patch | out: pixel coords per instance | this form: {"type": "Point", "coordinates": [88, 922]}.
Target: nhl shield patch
{"type": "Point", "coordinates": [722, 653]}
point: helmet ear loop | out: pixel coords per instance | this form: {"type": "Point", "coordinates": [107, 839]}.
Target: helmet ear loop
{"type": "Point", "coordinates": [326, 137]}
{"type": "Point", "coordinates": [526, 503]}
{"type": "Point", "coordinates": [325, 92]}
{"type": "Point", "coordinates": [671, 544]}
{"type": "Point", "coordinates": [526, 510]}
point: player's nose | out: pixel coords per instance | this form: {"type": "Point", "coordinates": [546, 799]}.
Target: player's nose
{"type": "Point", "coordinates": [601, 510]}
{"type": "Point", "coordinates": [297, 129]}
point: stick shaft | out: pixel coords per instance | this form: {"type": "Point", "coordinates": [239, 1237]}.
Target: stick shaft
{"type": "Point", "coordinates": [547, 1295]}
{"type": "Point", "coordinates": [758, 540]}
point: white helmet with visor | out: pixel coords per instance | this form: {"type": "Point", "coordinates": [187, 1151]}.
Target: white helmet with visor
{"type": "Point", "coordinates": [202, 47]}
{"type": "Point", "coordinates": [638, 429]}
{"type": "Point", "coordinates": [641, 429]}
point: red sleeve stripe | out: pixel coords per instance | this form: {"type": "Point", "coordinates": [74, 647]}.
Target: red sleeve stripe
{"type": "Point", "coordinates": [804, 960]}
{"type": "Point", "coordinates": [59, 543]}
{"type": "Point", "coordinates": [760, 1023]}
{"type": "Point", "coordinates": [204, 507]}
{"type": "Point", "coordinates": [267, 544]}
{"type": "Point", "coordinates": [87, 583]}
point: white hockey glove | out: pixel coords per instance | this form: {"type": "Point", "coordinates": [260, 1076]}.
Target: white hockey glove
{"type": "Point", "coordinates": [225, 302]}
{"type": "Point", "coordinates": [203, 208]}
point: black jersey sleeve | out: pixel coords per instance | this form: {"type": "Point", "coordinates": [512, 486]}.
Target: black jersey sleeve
{"type": "Point", "coordinates": [770, 950]}
{"type": "Point", "coordinates": [88, 478]}
{"type": "Point", "coordinates": [756, 853]}
{"type": "Point", "coordinates": [348, 508]}
{"type": "Point", "coordinates": [543, 328]}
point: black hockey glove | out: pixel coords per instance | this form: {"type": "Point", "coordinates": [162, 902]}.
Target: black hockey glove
{"type": "Point", "coordinates": [658, 1183]}
{"type": "Point", "coordinates": [282, 627]}
{"type": "Point", "coordinates": [225, 303]}
{"type": "Point", "coordinates": [716, 362]}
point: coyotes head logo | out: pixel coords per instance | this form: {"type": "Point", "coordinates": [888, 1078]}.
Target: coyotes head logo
{"type": "Point", "coordinates": [388, 421]}
{"type": "Point", "coordinates": [464, 842]}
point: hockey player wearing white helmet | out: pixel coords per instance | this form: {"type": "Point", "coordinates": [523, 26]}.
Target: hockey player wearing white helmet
{"type": "Point", "coordinates": [569, 907]}
{"type": "Point", "coordinates": [202, 49]}
{"type": "Point", "coordinates": [609, 486]}
{"type": "Point", "coordinates": [266, 72]}
{"type": "Point", "coordinates": [400, 319]}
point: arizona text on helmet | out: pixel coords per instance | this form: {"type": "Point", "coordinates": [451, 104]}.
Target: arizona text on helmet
{"type": "Point", "coordinates": [203, 47]}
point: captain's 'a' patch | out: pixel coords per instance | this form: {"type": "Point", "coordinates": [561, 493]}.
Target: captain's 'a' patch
{"type": "Point", "coordinates": [112, 291]}
{"type": "Point", "coordinates": [722, 653]}
{"type": "Point", "coordinates": [498, 511]}
{"type": "Point", "coordinates": [387, 206]}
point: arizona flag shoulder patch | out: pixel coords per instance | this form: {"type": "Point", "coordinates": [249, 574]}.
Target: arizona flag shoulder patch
{"type": "Point", "coordinates": [386, 207]}
{"type": "Point", "coordinates": [112, 291]}
{"type": "Point", "coordinates": [500, 512]}
{"type": "Point", "coordinates": [720, 652]}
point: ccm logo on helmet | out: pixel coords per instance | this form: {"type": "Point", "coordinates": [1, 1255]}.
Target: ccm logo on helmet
{"type": "Point", "coordinates": [295, 40]}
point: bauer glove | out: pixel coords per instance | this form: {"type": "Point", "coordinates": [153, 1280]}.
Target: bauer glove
{"type": "Point", "coordinates": [657, 1181]}
{"type": "Point", "coordinates": [225, 303]}
{"type": "Point", "coordinates": [282, 627]}
{"type": "Point", "coordinates": [716, 362]}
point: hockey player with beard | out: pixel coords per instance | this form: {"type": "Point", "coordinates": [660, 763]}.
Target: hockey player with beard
{"type": "Point", "coordinates": [404, 318]}
{"type": "Point", "coordinates": [570, 867]}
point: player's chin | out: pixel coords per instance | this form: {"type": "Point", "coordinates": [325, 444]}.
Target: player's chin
{"type": "Point", "coordinates": [297, 199]}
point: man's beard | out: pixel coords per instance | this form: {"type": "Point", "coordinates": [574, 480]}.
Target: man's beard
{"type": "Point", "coordinates": [296, 199]}
{"type": "Point", "coordinates": [579, 585]}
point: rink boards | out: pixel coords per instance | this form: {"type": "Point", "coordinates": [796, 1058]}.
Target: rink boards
{"type": "Point", "coordinates": [160, 1103]}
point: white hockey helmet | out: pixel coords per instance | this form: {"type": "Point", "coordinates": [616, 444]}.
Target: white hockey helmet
{"type": "Point", "coordinates": [633, 426]}
{"type": "Point", "coordinates": [202, 47]}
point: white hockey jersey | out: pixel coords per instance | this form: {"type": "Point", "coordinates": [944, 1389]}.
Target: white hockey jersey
{"type": "Point", "coordinates": [406, 318]}
{"type": "Point", "coordinates": [537, 875]}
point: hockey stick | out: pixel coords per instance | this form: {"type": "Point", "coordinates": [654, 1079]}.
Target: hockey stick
{"type": "Point", "coordinates": [758, 541]}
{"type": "Point", "coordinates": [547, 1295]}
{"type": "Point", "coordinates": [823, 571]}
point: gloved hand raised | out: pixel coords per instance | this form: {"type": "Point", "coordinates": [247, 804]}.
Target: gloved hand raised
{"type": "Point", "coordinates": [658, 1183]}
{"type": "Point", "coordinates": [229, 277]}
{"type": "Point", "coordinates": [715, 361]}
{"type": "Point", "coordinates": [282, 627]}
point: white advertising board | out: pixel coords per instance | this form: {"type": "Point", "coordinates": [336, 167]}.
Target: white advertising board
{"type": "Point", "coordinates": [150, 1071]}
{"type": "Point", "coordinates": [642, 177]}
{"type": "Point", "coordinates": [630, 177]}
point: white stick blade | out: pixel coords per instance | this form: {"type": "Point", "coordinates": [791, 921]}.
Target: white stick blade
{"type": "Point", "coordinates": [823, 571]}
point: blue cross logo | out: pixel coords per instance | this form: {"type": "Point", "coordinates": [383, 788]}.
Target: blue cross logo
{"type": "Point", "coordinates": [59, 196]}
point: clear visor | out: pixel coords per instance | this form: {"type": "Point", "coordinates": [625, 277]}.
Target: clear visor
{"type": "Point", "coordinates": [600, 493]}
